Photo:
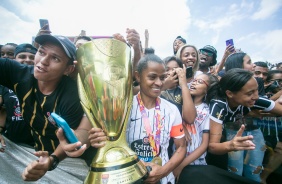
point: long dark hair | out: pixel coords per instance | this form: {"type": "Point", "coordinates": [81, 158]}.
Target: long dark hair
{"type": "Point", "coordinates": [234, 61]}
{"type": "Point", "coordinates": [234, 80]}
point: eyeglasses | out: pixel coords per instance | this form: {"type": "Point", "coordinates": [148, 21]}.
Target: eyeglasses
{"type": "Point", "coordinates": [206, 53]}
{"type": "Point", "coordinates": [200, 81]}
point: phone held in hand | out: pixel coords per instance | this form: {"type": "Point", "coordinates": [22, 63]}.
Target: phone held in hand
{"type": "Point", "coordinates": [189, 72]}
{"type": "Point", "coordinates": [230, 42]}
{"type": "Point", "coordinates": [69, 134]}
{"type": "Point", "coordinates": [43, 22]}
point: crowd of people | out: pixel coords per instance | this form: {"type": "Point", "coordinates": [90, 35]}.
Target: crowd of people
{"type": "Point", "coordinates": [209, 119]}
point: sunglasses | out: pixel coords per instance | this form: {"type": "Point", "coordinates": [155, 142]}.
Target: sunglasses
{"type": "Point", "coordinates": [206, 53]}
{"type": "Point", "coordinates": [200, 81]}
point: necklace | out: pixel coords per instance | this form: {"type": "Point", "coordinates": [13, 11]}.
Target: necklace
{"type": "Point", "coordinates": [153, 140]}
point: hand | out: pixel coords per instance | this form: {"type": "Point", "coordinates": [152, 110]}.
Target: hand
{"type": "Point", "coordinates": [38, 168]}
{"type": "Point", "coordinates": [42, 31]}
{"type": "Point", "coordinates": [181, 73]}
{"type": "Point", "coordinates": [242, 143]}
{"type": "Point", "coordinates": [2, 144]}
{"type": "Point", "coordinates": [133, 38]}
{"type": "Point", "coordinates": [171, 81]}
{"type": "Point", "coordinates": [119, 37]}
{"type": "Point", "coordinates": [229, 50]}
{"type": "Point", "coordinates": [156, 174]}
{"type": "Point", "coordinates": [70, 149]}
{"type": "Point", "coordinates": [97, 137]}
{"type": "Point", "coordinates": [259, 113]}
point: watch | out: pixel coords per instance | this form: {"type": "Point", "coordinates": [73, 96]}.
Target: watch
{"type": "Point", "coordinates": [55, 162]}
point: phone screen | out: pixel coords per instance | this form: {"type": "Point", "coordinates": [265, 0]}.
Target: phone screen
{"type": "Point", "coordinates": [189, 72]}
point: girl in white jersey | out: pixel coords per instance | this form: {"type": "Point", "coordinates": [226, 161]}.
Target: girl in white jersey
{"type": "Point", "coordinates": [201, 91]}
{"type": "Point", "coordinates": [153, 122]}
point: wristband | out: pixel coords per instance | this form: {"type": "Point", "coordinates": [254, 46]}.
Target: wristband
{"type": "Point", "coordinates": [55, 163]}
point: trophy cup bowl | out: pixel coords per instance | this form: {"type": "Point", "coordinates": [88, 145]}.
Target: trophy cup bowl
{"type": "Point", "coordinates": [105, 91]}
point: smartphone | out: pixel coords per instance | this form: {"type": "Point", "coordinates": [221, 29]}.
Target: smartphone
{"type": "Point", "coordinates": [229, 42]}
{"type": "Point", "coordinates": [64, 125]}
{"type": "Point", "coordinates": [43, 22]}
{"type": "Point", "coordinates": [189, 72]}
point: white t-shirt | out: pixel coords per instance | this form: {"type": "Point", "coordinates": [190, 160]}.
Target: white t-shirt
{"type": "Point", "coordinates": [201, 125]}
{"type": "Point", "coordinates": [171, 127]}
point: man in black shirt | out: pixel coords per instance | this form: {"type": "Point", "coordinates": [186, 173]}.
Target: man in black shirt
{"type": "Point", "coordinates": [42, 89]}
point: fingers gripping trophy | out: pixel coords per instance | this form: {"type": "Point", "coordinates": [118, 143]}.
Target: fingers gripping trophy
{"type": "Point", "coordinates": [105, 90]}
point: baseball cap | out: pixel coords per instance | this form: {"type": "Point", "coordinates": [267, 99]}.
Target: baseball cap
{"type": "Point", "coordinates": [67, 45]}
{"type": "Point", "coordinates": [211, 49]}
{"type": "Point", "coordinates": [25, 47]}
{"type": "Point", "coordinates": [181, 39]}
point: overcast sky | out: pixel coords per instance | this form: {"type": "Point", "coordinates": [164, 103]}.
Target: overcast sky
{"type": "Point", "coordinates": [254, 25]}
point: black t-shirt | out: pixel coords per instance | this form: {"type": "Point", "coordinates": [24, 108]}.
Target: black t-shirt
{"type": "Point", "coordinates": [174, 96]}
{"type": "Point", "coordinates": [36, 107]}
{"type": "Point", "coordinates": [221, 113]}
{"type": "Point", "coordinates": [260, 82]}
{"type": "Point", "coordinates": [17, 129]}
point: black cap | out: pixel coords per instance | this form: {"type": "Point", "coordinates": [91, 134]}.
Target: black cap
{"type": "Point", "coordinates": [211, 49]}
{"type": "Point", "coordinates": [25, 47]}
{"type": "Point", "coordinates": [67, 45]}
{"type": "Point", "coordinates": [181, 39]}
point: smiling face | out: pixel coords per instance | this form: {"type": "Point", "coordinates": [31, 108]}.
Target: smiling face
{"type": "Point", "coordinates": [151, 80]}
{"type": "Point", "coordinates": [247, 96]}
{"type": "Point", "coordinates": [189, 56]}
{"type": "Point", "coordinates": [25, 58]}
{"type": "Point", "coordinates": [7, 51]}
{"type": "Point", "coordinates": [177, 44]}
{"type": "Point", "coordinates": [51, 63]}
{"type": "Point", "coordinates": [199, 86]}
{"type": "Point", "coordinates": [205, 59]}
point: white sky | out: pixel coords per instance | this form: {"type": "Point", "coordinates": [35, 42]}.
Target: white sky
{"type": "Point", "coordinates": [255, 25]}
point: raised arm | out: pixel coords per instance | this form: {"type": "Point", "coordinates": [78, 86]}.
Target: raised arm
{"type": "Point", "coordinates": [229, 50]}
{"type": "Point", "coordinates": [188, 109]}
{"type": "Point", "coordinates": [236, 144]}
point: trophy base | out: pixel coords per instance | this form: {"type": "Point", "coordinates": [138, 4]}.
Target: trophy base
{"type": "Point", "coordinates": [131, 172]}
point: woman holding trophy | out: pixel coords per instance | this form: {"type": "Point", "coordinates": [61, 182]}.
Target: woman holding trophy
{"type": "Point", "coordinates": [152, 122]}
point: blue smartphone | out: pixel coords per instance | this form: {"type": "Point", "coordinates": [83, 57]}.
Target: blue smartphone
{"type": "Point", "coordinates": [230, 42]}
{"type": "Point", "coordinates": [64, 125]}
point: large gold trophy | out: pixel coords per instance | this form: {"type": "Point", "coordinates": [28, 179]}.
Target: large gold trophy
{"type": "Point", "coordinates": [105, 90]}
